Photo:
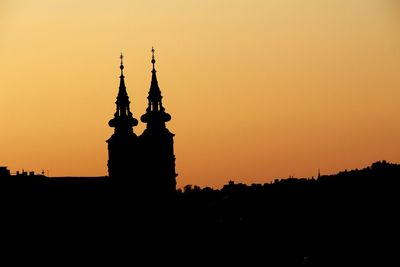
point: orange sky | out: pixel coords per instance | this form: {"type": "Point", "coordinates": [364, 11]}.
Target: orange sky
{"type": "Point", "coordinates": [257, 90]}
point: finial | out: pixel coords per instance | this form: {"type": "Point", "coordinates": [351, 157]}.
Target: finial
{"type": "Point", "coordinates": [122, 63]}
{"type": "Point", "coordinates": [152, 56]}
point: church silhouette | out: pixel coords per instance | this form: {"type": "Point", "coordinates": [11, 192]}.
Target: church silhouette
{"type": "Point", "coordinates": [135, 216]}
{"type": "Point", "coordinates": [146, 161]}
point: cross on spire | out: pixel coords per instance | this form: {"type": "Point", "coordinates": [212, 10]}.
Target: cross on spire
{"type": "Point", "coordinates": [122, 64]}
{"type": "Point", "coordinates": [152, 56]}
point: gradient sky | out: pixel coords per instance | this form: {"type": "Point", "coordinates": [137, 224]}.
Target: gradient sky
{"type": "Point", "coordinates": [257, 90]}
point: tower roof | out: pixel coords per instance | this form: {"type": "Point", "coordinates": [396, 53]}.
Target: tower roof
{"type": "Point", "coordinates": [154, 92]}
{"type": "Point", "coordinates": [155, 112]}
{"type": "Point", "coordinates": [123, 120]}
{"type": "Point", "coordinates": [122, 98]}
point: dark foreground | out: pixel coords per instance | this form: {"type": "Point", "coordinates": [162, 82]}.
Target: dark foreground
{"type": "Point", "coordinates": [348, 219]}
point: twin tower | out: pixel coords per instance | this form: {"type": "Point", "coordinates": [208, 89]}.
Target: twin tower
{"type": "Point", "coordinates": [146, 162]}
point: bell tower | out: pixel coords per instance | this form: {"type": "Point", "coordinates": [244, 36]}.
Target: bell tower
{"type": "Point", "coordinates": [157, 144]}
{"type": "Point", "coordinates": [123, 143]}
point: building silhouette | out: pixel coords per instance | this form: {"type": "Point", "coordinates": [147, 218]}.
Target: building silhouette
{"type": "Point", "coordinates": [4, 171]}
{"type": "Point", "coordinates": [145, 162]}
{"type": "Point", "coordinates": [346, 218]}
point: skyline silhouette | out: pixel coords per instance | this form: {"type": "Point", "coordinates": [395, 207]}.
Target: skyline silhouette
{"type": "Point", "coordinates": [136, 216]}
{"type": "Point", "coordinates": [265, 134]}
{"type": "Point", "coordinates": [258, 90]}
{"type": "Point", "coordinates": [346, 218]}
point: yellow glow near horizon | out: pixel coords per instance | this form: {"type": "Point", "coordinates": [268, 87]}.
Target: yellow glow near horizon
{"type": "Point", "coordinates": [257, 89]}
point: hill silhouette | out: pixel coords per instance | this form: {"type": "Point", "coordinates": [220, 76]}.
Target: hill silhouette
{"type": "Point", "coordinates": [346, 218]}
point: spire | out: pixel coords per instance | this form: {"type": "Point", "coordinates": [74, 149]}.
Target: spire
{"type": "Point", "coordinates": [123, 120]}
{"type": "Point", "coordinates": [122, 94]}
{"type": "Point", "coordinates": [155, 112]}
{"type": "Point", "coordinates": [155, 92]}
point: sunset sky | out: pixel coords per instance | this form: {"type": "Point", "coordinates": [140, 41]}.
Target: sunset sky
{"type": "Point", "coordinates": [257, 89]}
